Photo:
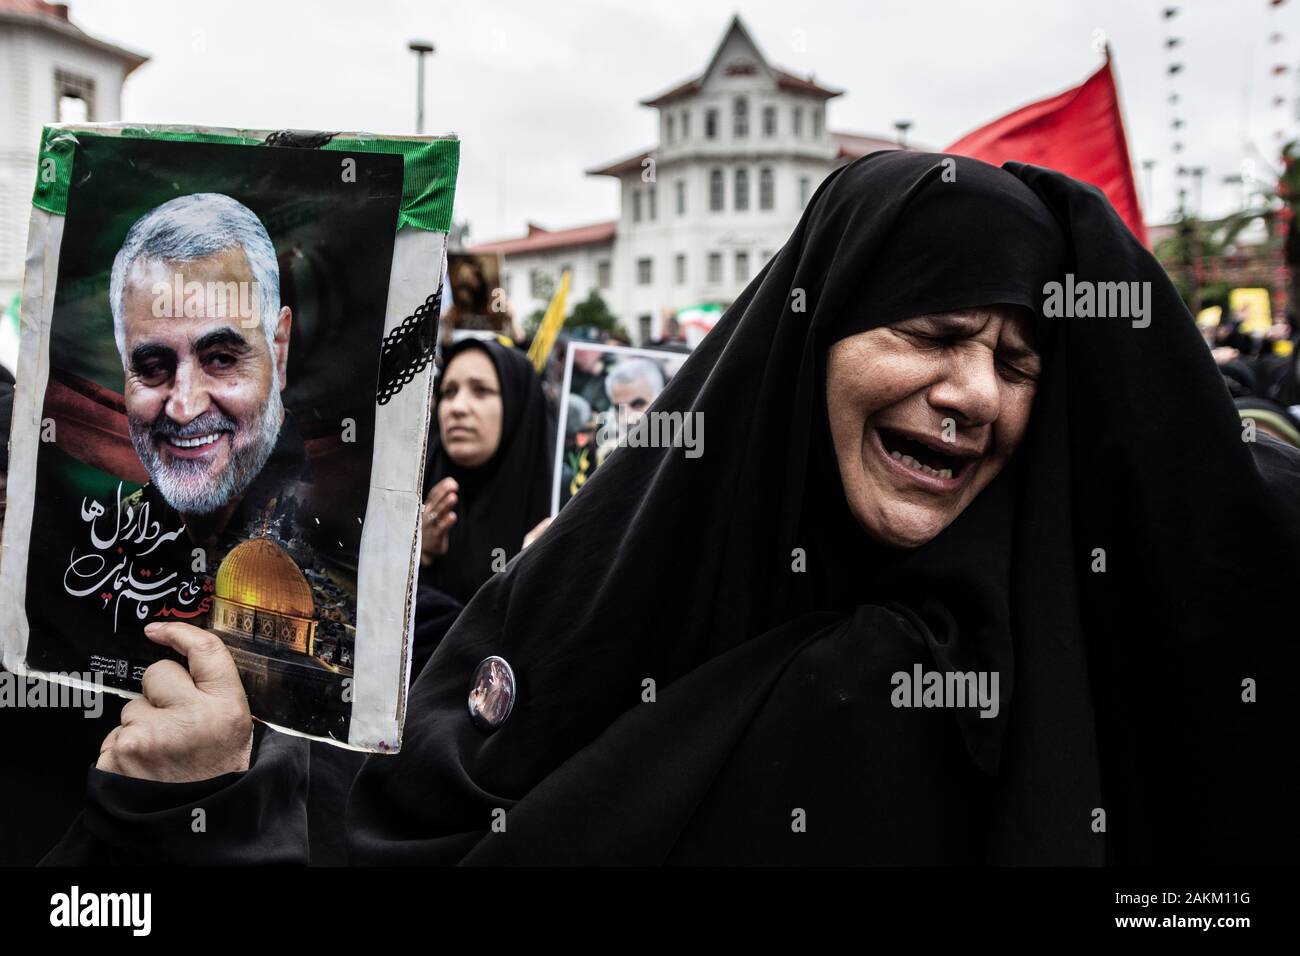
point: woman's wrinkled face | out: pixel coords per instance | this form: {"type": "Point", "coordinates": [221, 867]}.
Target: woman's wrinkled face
{"type": "Point", "coordinates": [470, 409]}
{"type": "Point", "coordinates": [925, 412]}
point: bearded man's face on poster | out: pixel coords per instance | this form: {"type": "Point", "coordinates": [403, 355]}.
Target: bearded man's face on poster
{"type": "Point", "coordinates": [204, 345]}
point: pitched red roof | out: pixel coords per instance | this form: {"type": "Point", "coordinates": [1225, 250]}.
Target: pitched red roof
{"type": "Point", "coordinates": [621, 166]}
{"type": "Point", "coordinates": [676, 93]}
{"type": "Point", "coordinates": [784, 79]}
{"type": "Point", "coordinates": [847, 145]}
{"type": "Point", "coordinates": [54, 16]}
{"type": "Point", "coordinates": [791, 81]}
{"type": "Point", "coordinates": [35, 8]}
{"type": "Point", "coordinates": [544, 240]}
{"type": "Point", "coordinates": [853, 145]}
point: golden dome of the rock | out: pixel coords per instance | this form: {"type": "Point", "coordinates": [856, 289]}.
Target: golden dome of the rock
{"type": "Point", "coordinates": [259, 573]}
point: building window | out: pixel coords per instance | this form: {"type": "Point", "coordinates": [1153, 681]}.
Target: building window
{"type": "Point", "coordinates": [668, 123]}
{"type": "Point", "coordinates": [766, 188]}
{"type": "Point", "coordinates": [644, 271]}
{"type": "Point", "coordinates": [710, 124]}
{"type": "Point", "coordinates": [767, 255]}
{"type": "Point", "coordinates": [636, 205]}
{"type": "Point", "coordinates": [686, 124]}
{"type": "Point", "coordinates": [508, 283]}
{"type": "Point", "coordinates": [653, 203]}
{"type": "Point", "coordinates": [538, 283]}
{"type": "Point", "coordinates": [769, 120]}
{"type": "Point", "coordinates": [715, 267]}
{"type": "Point", "coordinates": [742, 190]}
{"type": "Point", "coordinates": [817, 122]}
{"type": "Point", "coordinates": [798, 121]}
{"type": "Point", "coordinates": [717, 191]}
{"type": "Point", "coordinates": [74, 97]}
{"type": "Point", "coordinates": [681, 197]}
{"type": "Point", "coordinates": [602, 274]}
{"type": "Point", "coordinates": [805, 190]}
{"type": "Point", "coordinates": [679, 266]}
{"type": "Point", "coordinates": [742, 267]}
{"type": "Point", "coordinates": [741, 127]}
{"type": "Point", "coordinates": [643, 326]}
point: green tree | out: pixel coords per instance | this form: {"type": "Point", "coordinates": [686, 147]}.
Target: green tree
{"type": "Point", "coordinates": [592, 313]}
{"type": "Point", "coordinates": [1196, 241]}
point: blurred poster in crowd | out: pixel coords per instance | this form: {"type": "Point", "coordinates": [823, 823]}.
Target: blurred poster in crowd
{"type": "Point", "coordinates": [477, 305]}
{"type": "Point", "coordinates": [1252, 308]}
{"type": "Point", "coordinates": [224, 383]}
{"type": "Point", "coordinates": [607, 388]}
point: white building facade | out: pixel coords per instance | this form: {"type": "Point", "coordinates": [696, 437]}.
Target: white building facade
{"type": "Point", "coordinates": [741, 149]}
{"type": "Point", "coordinates": [50, 72]}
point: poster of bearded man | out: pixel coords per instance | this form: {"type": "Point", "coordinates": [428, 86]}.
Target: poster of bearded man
{"type": "Point", "coordinates": [223, 392]}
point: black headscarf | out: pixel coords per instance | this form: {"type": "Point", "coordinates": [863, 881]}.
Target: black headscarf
{"type": "Point", "coordinates": [501, 500]}
{"type": "Point", "coordinates": [1100, 573]}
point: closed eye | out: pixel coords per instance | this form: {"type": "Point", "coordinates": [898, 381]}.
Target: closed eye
{"type": "Point", "coordinates": [937, 341]}
{"type": "Point", "coordinates": [1017, 372]}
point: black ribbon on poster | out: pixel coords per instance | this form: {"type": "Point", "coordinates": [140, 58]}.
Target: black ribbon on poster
{"type": "Point", "coordinates": [408, 348]}
{"type": "Point", "coordinates": [298, 138]}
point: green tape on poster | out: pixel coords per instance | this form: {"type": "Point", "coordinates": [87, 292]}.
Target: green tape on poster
{"type": "Point", "coordinates": [428, 173]}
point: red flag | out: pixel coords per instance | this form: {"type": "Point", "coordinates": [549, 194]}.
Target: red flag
{"type": "Point", "coordinates": [1079, 132]}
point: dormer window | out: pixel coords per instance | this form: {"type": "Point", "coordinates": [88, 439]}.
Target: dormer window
{"type": "Point", "coordinates": [741, 127]}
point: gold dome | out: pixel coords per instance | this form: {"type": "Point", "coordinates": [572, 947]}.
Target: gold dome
{"type": "Point", "coordinates": [258, 573]}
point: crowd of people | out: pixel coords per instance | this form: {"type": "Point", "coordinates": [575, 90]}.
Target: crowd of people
{"type": "Point", "coordinates": [1261, 371]}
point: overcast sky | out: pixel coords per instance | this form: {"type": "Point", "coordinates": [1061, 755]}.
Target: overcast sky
{"type": "Point", "coordinates": [539, 92]}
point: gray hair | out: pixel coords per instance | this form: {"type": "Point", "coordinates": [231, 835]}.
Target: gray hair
{"type": "Point", "coordinates": [196, 227]}
{"type": "Point", "coordinates": [635, 370]}
{"type": "Point", "coordinates": [578, 412]}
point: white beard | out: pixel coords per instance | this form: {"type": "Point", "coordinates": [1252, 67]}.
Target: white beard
{"type": "Point", "coordinates": [177, 482]}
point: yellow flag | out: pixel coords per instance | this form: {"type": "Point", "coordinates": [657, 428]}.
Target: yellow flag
{"type": "Point", "coordinates": [1254, 308]}
{"type": "Point", "coordinates": [549, 328]}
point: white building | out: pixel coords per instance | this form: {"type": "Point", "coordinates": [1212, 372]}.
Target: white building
{"type": "Point", "coordinates": [741, 149]}
{"type": "Point", "coordinates": [50, 72]}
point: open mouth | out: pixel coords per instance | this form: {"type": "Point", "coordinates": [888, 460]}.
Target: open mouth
{"type": "Point", "coordinates": [195, 442]}
{"type": "Point", "coordinates": [197, 447]}
{"type": "Point", "coordinates": [920, 457]}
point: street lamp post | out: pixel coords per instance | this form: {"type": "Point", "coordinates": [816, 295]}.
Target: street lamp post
{"type": "Point", "coordinates": [1198, 172]}
{"type": "Point", "coordinates": [419, 48]}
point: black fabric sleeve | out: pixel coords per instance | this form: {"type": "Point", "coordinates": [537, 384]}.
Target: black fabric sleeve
{"type": "Point", "coordinates": [254, 818]}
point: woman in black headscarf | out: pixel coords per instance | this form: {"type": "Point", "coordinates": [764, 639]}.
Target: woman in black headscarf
{"type": "Point", "coordinates": [910, 470]}
{"type": "Point", "coordinates": [716, 681]}
{"type": "Point", "coordinates": [487, 480]}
